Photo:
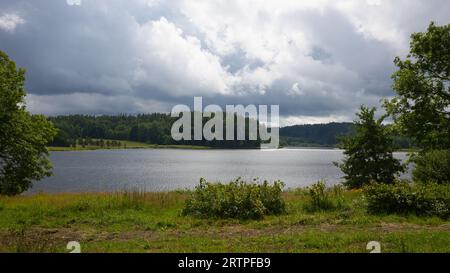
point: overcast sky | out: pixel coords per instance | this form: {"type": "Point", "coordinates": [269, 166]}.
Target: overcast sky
{"type": "Point", "coordinates": [319, 60]}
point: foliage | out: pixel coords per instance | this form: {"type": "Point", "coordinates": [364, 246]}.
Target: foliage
{"type": "Point", "coordinates": [319, 197]}
{"type": "Point", "coordinates": [146, 128]}
{"type": "Point", "coordinates": [368, 153]}
{"type": "Point", "coordinates": [432, 166]}
{"type": "Point", "coordinates": [421, 107]}
{"type": "Point", "coordinates": [155, 129]}
{"type": "Point", "coordinates": [319, 134]}
{"type": "Point", "coordinates": [23, 137]}
{"type": "Point", "coordinates": [237, 199]}
{"type": "Point", "coordinates": [322, 198]}
{"type": "Point", "coordinates": [405, 198]}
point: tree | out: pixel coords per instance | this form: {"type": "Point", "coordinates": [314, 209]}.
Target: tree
{"type": "Point", "coordinates": [23, 137]}
{"type": "Point", "coordinates": [61, 139]}
{"type": "Point", "coordinates": [368, 153]}
{"type": "Point", "coordinates": [421, 107]}
{"type": "Point", "coordinates": [432, 166]}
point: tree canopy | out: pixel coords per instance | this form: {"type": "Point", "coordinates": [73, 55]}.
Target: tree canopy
{"type": "Point", "coordinates": [149, 128]}
{"type": "Point", "coordinates": [23, 137]}
{"type": "Point", "coordinates": [422, 103]}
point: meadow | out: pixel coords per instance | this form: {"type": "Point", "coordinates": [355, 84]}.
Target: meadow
{"type": "Point", "coordinates": [153, 222]}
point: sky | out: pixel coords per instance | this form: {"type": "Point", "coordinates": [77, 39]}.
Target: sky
{"type": "Point", "coordinates": [318, 60]}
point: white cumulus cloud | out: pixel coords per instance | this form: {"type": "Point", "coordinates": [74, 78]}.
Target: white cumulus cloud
{"type": "Point", "coordinates": [9, 22]}
{"type": "Point", "coordinates": [172, 61]}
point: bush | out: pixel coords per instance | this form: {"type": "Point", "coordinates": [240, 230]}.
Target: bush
{"type": "Point", "coordinates": [406, 198]}
{"type": "Point", "coordinates": [323, 198]}
{"type": "Point", "coordinates": [237, 199]}
{"type": "Point", "coordinates": [432, 166]}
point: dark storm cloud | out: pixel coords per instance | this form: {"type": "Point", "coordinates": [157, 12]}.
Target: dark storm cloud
{"type": "Point", "coordinates": [314, 59]}
{"type": "Point", "coordinates": [70, 49]}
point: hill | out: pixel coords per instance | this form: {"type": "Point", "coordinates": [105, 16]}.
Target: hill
{"type": "Point", "coordinates": [314, 134]}
{"type": "Point", "coordinates": [81, 130]}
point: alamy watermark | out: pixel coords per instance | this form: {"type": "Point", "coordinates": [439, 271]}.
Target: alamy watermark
{"type": "Point", "coordinates": [74, 246]}
{"type": "Point", "coordinates": [262, 124]}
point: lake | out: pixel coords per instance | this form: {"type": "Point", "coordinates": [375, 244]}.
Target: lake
{"type": "Point", "coordinates": [168, 169]}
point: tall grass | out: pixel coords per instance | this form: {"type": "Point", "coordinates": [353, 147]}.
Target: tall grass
{"type": "Point", "coordinates": [321, 198]}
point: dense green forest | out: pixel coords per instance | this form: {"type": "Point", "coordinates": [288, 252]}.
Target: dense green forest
{"type": "Point", "coordinates": [327, 135]}
{"type": "Point", "coordinates": [314, 134]}
{"type": "Point", "coordinates": [155, 129]}
{"type": "Point", "coordinates": [148, 128]}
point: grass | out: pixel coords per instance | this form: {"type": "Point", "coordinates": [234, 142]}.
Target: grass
{"type": "Point", "coordinates": [125, 144]}
{"type": "Point", "coordinates": [152, 222]}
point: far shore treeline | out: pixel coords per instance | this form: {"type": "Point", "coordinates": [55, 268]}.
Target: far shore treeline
{"type": "Point", "coordinates": [147, 128]}
{"type": "Point", "coordinates": [155, 129]}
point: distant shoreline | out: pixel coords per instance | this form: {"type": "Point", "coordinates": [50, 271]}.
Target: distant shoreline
{"type": "Point", "coordinates": [192, 147]}
{"type": "Point", "coordinates": [182, 147]}
{"type": "Point", "coordinates": [148, 146]}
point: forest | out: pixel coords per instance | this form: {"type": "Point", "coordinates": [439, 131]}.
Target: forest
{"type": "Point", "coordinates": [155, 129]}
{"type": "Point", "coordinates": [147, 128]}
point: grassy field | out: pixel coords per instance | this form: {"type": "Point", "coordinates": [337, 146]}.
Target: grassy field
{"type": "Point", "coordinates": [125, 144]}
{"type": "Point", "coordinates": [151, 222]}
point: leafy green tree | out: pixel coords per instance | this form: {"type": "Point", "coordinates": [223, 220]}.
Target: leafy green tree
{"type": "Point", "coordinates": [421, 107]}
{"type": "Point", "coordinates": [368, 153]}
{"type": "Point", "coordinates": [23, 137]}
{"type": "Point", "coordinates": [432, 166]}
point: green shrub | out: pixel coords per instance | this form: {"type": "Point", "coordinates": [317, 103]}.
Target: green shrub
{"type": "Point", "coordinates": [432, 166]}
{"type": "Point", "coordinates": [322, 198]}
{"type": "Point", "coordinates": [237, 199]}
{"type": "Point", "coordinates": [407, 198]}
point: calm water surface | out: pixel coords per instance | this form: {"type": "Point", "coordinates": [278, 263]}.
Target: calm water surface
{"type": "Point", "coordinates": [168, 169]}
